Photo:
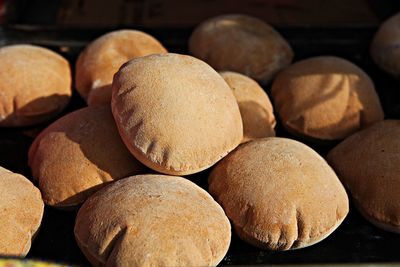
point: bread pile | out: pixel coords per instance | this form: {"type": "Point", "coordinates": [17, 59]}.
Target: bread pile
{"type": "Point", "coordinates": [154, 116]}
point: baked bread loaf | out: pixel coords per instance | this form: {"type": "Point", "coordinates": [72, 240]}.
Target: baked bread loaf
{"type": "Point", "coordinates": [152, 220]}
{"type": "Point", "coordinates": [21, 211]}
{"type": "Point", "coordinates": [367, 163]}
{"type": "Point", "coordinates": [254, 105]}
{"type": "Point", "coordinates": [35, 85]}
{"type": "Point", "coordinates": [325, 98]}
{"type": "Point", "coordinates": [385, 47]}
{"type": "Point", "coordinates": [102, 58]}
{"type": "Point", "coordinates": [77, 155]}
{"type": "Point", "coordinates": [175, 113]}
{"type": "Point", "coordinates": [242, 44]}
{"type": "Point", "coordinates": [279, 194]}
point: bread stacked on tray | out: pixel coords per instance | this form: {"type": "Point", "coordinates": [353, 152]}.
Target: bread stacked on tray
{"type": "Point", "coordinates": [155, 112]}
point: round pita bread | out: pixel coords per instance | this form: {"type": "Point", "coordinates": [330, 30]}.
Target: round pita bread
{"type": "Point", "coordinates": [175, 113]}
{"type": "Point", "coordinates": [385, 47]}
{"type": "Point", "coordinates": [21, 212]}
{"type": "Point", "coordinates": [35, 85]}
{"type": "Point", "coordinates": [325, 98]}
{"type": "Point", "coordinates": [102, 58]}
{"type": "Point", "coordinates": [78, 154]}
{"type": "Point", "coordinates": [367, 163]}
{"type": "Point", "coordinates": [152, 220]}
{"type": "Point", "coordinates": [279, 194]}
{"type": "Point", "coordinates": [242, 44]}
{"type": "Point", "coordinates": [254, 105]}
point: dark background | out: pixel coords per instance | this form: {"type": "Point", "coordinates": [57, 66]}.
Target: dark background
{"type": "Point", "coordinates": [188, 13]}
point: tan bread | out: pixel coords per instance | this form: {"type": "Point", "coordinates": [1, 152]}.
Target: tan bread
{"type": "Point", "coordinates": [35, 85]}
{"type": "Point", "coordinates": [21, 211]}
{"type": "Point", "coordinates": [279, 194]}
{"type": "Point", "coordinates": [78, 154]}
{"type": "Point", "coordinates": [368, 165]}
{"type": "Point", "coordinates": [326, 98]}
{"type": "Point", "coordinates": [175, 113]}
{"type": "Point", "coordinates": [243, 44]}
{"type": "Point", "coordinates": [385, 47]}
{"type": "Point", "coordinates": [102, 58]}
{"type": "Point", "coordinates": [152, 220]}
{"type": "Point", "coordinates": [254, 105]}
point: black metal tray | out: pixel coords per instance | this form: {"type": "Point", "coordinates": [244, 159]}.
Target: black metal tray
{"type": "Point", "coordinates": [355, 241]}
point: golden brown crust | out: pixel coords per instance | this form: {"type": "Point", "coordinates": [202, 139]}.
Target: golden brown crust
{"type": "Point", "coordinates": [35, 85]}
{"type": "Point", "coordinates": [367, 164]}
{"type": "Point", "coordinates": [254, 105]}
{"type": "Point", "coordinates": [102, 58]}
{"type": "Point", "coordinates": [175, 113]}
{"type": "Point", "coordinates": [325, 98]}
{"type": "Point", "coordinates": [243, 44]}
{"type": "Point", "coordinates": [78, 154]}
{"type": "Point", "coordinates": [152, 220]}
{"type": "Point", "coordinates": [279, 193]}
{"type": "Point", "coordinates": [21, 211]}
{"type": "Point", "coordinates": [385, 47]}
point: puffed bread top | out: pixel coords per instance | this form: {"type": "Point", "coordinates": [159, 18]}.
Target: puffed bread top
{"type": "Point", "coordinates": [35, 85]}
{"type": "Point", "coordinates": [152, 220]}
{"type": "Point", "coordinates": [385, 47]}
{"type": "Point", "coordinates": [21, 212]}
{"type": "Point", "coordinates": [367, 163]}
{"type": "Point", "coordinates": [279, 193]}
{"type": "Point", "coordinates": [326, 98]}
{"type": "Point", "coordinates": [254, 105]}
{"type": "Point", "coordinates": [175, 113]}
{"type": "Point", "coordinates": [78, 154]}
{"type": "Point", "coordinates": [102, 58]}
{"type": "Point", "coordinates": [242, 44]}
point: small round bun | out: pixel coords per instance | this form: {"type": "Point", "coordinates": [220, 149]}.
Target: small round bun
{"type": "Point", "coordinates": [78, 154]}
{"type": "Point", "coordinates": [243, 44]}
{"type": "Point", "coordinates": [325, 98]}
{"type": "Point", "coordinates": [385, 47]}
{"type": "Point", "coordinates": [368, 165]}
{"type": "Point", "coordinates": [152, 220]}
{"type": "Point", "coordinates": [35, 85]}
{"type": "Point", "coordinates": [175, 113]}
{"type": "Point", "coordinates": [102, 58]}
{"type": "Point", "coordinates": [254, 105]}
{"type": "Point", "coordinates": [21, 212]}
{"type": "Point", "coordinates": [279, 194]}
